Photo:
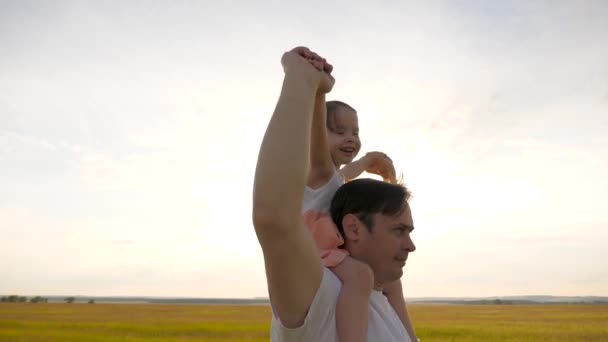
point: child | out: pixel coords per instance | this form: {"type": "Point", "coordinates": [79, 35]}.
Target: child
{"type": "Point", "coordinates": [335, 142]}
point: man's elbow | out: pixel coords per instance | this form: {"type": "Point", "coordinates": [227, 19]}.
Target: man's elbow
{"type": "Point", "coordinates": [262, 215]}
{"type": "Point", "coordinates": [269, 225]}
{"type": "Point", "coordinates": [267, 215]}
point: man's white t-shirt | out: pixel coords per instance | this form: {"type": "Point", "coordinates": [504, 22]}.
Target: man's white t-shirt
{"type": "Point", "coordinates": [320, 323]}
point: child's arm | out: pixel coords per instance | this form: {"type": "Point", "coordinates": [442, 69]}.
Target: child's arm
{"type": "Point", "coordinates": [394, 293]}
{"type": "Point", "coordinates": [373, 162]}
{"type": "Point", "coordinates": [321, 165]}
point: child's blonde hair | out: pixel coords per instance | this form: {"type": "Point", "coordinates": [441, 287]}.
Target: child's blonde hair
{"type": "Point", "coordinates": [332, 107]}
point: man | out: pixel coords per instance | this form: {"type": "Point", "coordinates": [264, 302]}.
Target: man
{"type": "Point", "coordinates": [373, 217]}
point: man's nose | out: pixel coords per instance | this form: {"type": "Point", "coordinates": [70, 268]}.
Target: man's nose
{"type": "Point", "coordinates": [408, 244]}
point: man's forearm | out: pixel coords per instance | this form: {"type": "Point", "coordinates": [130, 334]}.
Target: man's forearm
{"type": "Point", "coordinates": [283, 159]}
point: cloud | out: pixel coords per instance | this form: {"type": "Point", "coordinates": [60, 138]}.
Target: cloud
{"type": "Point", "coordinates": [134, 152]}
{"type": "Point", "coordinates": [123, 242]}
{"type": "Point", "coordinates": [9, 139]}
{"type": "Point", "coordinates": [504, 259]}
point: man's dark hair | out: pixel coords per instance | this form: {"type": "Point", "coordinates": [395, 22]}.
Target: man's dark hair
{"type": "Point", "coordinates": [365, 197]}
{"type": "Point", "coordinates": [332, 107]}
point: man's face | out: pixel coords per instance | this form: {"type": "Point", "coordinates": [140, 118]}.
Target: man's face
{"type": "Point", "coordinates": [386, 248]}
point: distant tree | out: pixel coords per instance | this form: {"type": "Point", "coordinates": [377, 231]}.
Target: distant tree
{"type": "Point", "coordinates": [91, 301]}
{"type": "Point", "coordinates": [70, 300]}
{"type": "Point", "coordinates": [38, 299]}
{"type": "Point", "coordinates": [14, 299]}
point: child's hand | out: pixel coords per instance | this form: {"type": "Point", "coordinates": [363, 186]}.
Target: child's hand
{"type": "Point", "coordinates": [393, 288]}
{"type": "Point", "coordinates": [321, 64]}
{"type": "Point", "coordinates": [380, 164]}
{"type": "Point", "coordinates": [303, 62]}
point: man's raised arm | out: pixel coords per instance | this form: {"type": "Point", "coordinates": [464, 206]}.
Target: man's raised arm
{"type": "Point", "coordinates": [293, 265]}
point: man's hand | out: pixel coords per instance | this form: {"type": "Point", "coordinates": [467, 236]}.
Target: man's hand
{"type": "Point", "coordinates": [302, 62]}
{"type": "Point", "coordinates": [380, 164]}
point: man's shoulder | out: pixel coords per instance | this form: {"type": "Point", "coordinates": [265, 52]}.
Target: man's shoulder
{"type": "Point", "coordinates": [319, 324]}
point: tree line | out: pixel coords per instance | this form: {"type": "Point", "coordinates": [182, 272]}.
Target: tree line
{"type": "Point", "coordinates": [36, 299]}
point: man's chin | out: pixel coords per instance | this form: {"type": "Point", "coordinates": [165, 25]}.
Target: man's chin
{"type": "Point", "coordinates": [394, 276]}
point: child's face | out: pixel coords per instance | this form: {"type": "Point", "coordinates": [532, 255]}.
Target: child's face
{"type": "Point", "coordinates": [343, 136]}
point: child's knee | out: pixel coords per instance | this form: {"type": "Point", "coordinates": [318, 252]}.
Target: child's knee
{"type": "Point", "coordinates": [364, 274]}
{"type": "Point", "coordinates": [355, 273]}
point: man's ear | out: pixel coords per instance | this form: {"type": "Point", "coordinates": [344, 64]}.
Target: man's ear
{"type": "Point", "coordinates": [352, 227]}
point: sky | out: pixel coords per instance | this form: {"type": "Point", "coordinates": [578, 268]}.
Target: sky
{"type": "Point", "coordinates": [129, 133]}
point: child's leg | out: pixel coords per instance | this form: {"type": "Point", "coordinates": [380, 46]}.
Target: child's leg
{"type": "Point", "coordinates": [352, 309]}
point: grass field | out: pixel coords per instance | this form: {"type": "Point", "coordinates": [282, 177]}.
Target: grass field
{"type": "Point", "coordinates": [147, 322]}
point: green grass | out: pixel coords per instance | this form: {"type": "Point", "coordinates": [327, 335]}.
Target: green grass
{"type": "Point", "coordinates": [147, 322]}
{"type": "Point", "coordinates": [511, 322]}
{"type": "Point", "coordinates": [126, 322]}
